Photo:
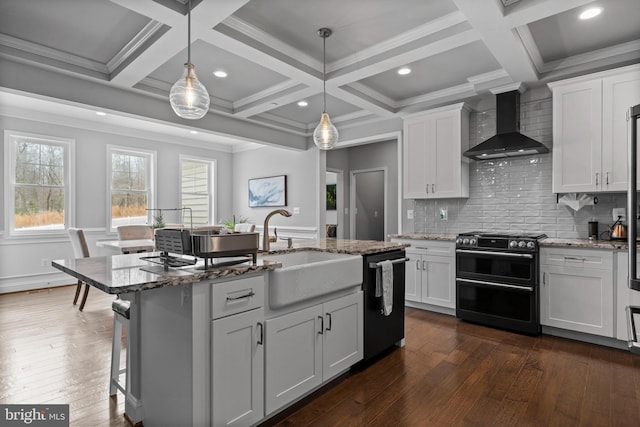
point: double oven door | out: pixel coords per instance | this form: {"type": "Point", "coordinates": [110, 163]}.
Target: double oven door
{"type": "Point", "coordinates": [498, 288]}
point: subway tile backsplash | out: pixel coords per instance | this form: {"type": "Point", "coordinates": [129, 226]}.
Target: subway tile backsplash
{"type": "Point", "coordinates": [514, 194]}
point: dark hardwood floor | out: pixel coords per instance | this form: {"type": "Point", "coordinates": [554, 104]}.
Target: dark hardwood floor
{"type": "Point", "coordinates": [449, 373]}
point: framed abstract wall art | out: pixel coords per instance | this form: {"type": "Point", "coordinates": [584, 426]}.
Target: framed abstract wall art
{"type": "Point", "coordinates": [269, 191]}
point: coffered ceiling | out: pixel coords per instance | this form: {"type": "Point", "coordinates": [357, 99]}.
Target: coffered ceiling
{"type": "Point", "coordinates": [124, 55]}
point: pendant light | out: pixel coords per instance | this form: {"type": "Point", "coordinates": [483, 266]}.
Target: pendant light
{"type": "Point", "coordinates": [189, 98]}
{"type": "Point", "coordinates": [325, 136]}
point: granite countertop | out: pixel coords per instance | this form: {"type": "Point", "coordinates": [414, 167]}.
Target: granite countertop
{"type": "Point", "coordinates": [424, 236]}
{"type": "Point", "coordinates": [129, 273]}
{"type": "Point", "coordinates": [584, 243]}
{"type": "Point", "coordinates": [338, 246]}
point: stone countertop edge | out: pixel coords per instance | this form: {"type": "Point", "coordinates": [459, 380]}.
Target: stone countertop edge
{"type": "Point", "coordinates": [546, 242]}
{"type": "Point", "coordinates": [425, 236]}
{"type": "Point", "coordinates": [96, 266]}
{"type": "Point", "coordinates": [584, 243]}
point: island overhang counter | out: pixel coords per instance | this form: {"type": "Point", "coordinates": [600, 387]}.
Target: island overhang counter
{"type": "Point", "coordinates": [172, 322]}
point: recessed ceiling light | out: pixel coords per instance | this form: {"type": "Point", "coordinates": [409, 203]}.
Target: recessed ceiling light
{"type": "Point", "coordinates": [592, 12]}
{"type": "Point", "coordinates": [302, 103]}
{"type": "Point", "coordinates": [193, 132]}
{"type": "Point", "coordinates": [100, 113]}
{"type": "Point", "coordinates": [221, 74]}
{"type": "Point", "coordinates": [404, 71]}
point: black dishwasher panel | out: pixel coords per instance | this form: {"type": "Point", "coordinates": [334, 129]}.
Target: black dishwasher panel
{"type": "Point", "coordinates": [382, 332]}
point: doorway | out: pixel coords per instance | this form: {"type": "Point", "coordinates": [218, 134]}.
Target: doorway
{"type": "Point", "coordinates": [369, 204]}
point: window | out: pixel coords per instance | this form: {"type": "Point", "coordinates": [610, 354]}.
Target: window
{"type": "Point", "coordinates": [39, 188]}
{"type": "Point", "coordinates": [131, 184]}
{"type": "Point", "coordinates": [196, 183]}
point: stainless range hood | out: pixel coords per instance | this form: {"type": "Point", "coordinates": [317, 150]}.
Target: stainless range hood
{"type": "Point", "coordinates": [508, 141]}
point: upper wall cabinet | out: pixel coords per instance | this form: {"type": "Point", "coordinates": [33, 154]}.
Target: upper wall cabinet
{"type": "Point", "coordinates": [434, 141]}
{"type": "Point", "coordinates": [591, 131]}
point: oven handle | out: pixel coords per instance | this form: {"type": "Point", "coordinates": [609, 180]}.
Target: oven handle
{"type": "Point", "coordinates": [467, 251]}
{"type": "Point", "coordinates": [499, 285]}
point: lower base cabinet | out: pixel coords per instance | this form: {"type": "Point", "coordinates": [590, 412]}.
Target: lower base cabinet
{"type": "Point", "coordinates": [577, 290]}
{"type": "Point", "coordinates": [310, 346]}
{"type": "Point", "coordinates": [238, 371]}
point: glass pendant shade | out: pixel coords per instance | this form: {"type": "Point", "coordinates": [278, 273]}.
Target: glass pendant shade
{"type": "Point", "coordinates": [189, 98]}
{"type": "Point", "coordinates": [325, 136]}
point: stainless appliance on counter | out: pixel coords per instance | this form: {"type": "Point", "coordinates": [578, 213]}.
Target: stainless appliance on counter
{"type": "Point", "coordinates": [209, 245]}
{"type": "Point", "coordinates": [497, 280]}
{"type": "Point", "coordinates": [633, 312]}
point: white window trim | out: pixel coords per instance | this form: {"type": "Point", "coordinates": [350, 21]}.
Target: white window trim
{"type": "Point", "coordinates": [9, 183]}
{"type": "Point", "coordinates": [213, 182]}
{"type": "Point", "coordinates": [152, 177]}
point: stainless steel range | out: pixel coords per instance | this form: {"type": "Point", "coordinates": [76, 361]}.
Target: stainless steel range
{"type": "Point", "coordinates": [497, 280]}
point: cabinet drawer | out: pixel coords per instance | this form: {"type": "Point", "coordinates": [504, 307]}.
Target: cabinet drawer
{"type": "Point", "coordinates": [577, 258]}
{"type": "Point", "coordinates": [236, 296]}
{"type": "Point", "coordinates": [429, 247]}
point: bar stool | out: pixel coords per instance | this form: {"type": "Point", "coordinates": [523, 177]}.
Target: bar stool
{"type": "Point", "coordinates": [121, 309]}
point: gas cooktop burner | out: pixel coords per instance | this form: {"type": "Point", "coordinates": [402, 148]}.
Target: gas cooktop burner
{"type": "Point", "coordinates": [504, 235]}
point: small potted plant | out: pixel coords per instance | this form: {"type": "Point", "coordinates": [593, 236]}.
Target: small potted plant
{"type": "Point", "coordinates": [158, 222]}
{"type": "Point", "coordinates": [231, 223]}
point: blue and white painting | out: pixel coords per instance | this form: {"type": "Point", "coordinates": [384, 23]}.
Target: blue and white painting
{"type": "Point", "coordinates": [270, 191]}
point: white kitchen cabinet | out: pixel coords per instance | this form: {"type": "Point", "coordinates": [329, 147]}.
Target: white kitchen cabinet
{"type": "Point", "coordinates": [433, 145]}
{"type": "Point", "coordinates": [577, 290]}
{"type": "Point", "coordinates": [430, 272]}
{"type": "Point", "coordinates": [590, 130]}
{"type": "Point", "coordinates": [237, 359]}
{"type": "Point", "coordinates": [237, 367]}
{"type": "Point", "coordinates": [310, 346]}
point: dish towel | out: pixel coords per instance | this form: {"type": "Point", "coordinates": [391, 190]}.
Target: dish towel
{"type": "Point", "coordinates": [384, 286]}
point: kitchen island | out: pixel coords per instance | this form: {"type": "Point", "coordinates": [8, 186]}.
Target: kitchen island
{"type": "Point", "coordinates": [203, 343]}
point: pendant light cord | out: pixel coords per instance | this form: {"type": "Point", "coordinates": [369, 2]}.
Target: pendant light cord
{"type": "Point", "coordinates": [324, 72]}
{"type": "Point", "coordinates": [189, 34]}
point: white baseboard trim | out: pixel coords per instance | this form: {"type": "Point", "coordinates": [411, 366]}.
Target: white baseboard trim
{"type": "Point", "coordinates": [431, 307]}
{"type": "Point", "coordinates": [37, 281]}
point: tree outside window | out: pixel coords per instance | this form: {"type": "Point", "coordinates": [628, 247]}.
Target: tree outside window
{"type": "Point", "coordinates": [38, 187]}
{"type": "Point", "coordinates": [130, 187]}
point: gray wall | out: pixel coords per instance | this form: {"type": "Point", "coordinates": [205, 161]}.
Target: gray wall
{"type": "Point", "coordinates": [512, 194]}
{"type": "Point", "coordinates": [376, 155]}
{"type": "Point", "coordinates": [302, 171]}
{"type": "Point", "coordinates": [21, 260]}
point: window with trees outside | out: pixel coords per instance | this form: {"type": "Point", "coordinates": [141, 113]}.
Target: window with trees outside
{"type": "Point", "coordinates": [131, 185]}
{"type": "Point", "coordinates": [38, 183]}
{"type": "Point", "coordinates": [196, 184]}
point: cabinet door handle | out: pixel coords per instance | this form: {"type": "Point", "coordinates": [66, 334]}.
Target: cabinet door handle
{"type": "Point", "coordinates": [321, 331]}
{"type": "Point", "coordinates": [427, 188]}
{"type": "Point", "coordinates": [574, 258]}
{"type": "Point", "coordinates": [607, 177]}
{"type": "Point", "coordinates": [249, 295]}
{"type": "Point", "coordinates": [433, 188]}
{"type": "Point", "coordinates": [329, 321]}
{"type": "Point", "coordinates": [544, 278]}
{"type": "Point", "coordinates": [597, 176]}
{"type": "Point", "coordinates": [424, 264]}
{"type": "Point", "coordinates": [417, 264]}
{"type": "Point", "coordinates": [261, 339]}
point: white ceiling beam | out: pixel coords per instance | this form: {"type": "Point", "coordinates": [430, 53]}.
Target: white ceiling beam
{"type": "Point", "coordinates": [500, 38]}
{"type": "Point", "coordinates": [204, 16]}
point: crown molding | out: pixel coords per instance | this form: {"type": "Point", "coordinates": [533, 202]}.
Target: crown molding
{"type": "Point", "coordinates": [53, 54]}
{"type": "Point", "coordinates": [145, 35]}
{"type": "Point", "coordinates": [609, 55]}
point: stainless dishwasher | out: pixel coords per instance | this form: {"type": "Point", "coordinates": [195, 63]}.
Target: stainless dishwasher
{"type": "Point", "coordinates": [382, 332]}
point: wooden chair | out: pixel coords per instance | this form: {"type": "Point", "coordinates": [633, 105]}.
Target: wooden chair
{"type": "Point", "coordinates": [134, 232]}
{"type": "Point", "coordinates": [80, 250]}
